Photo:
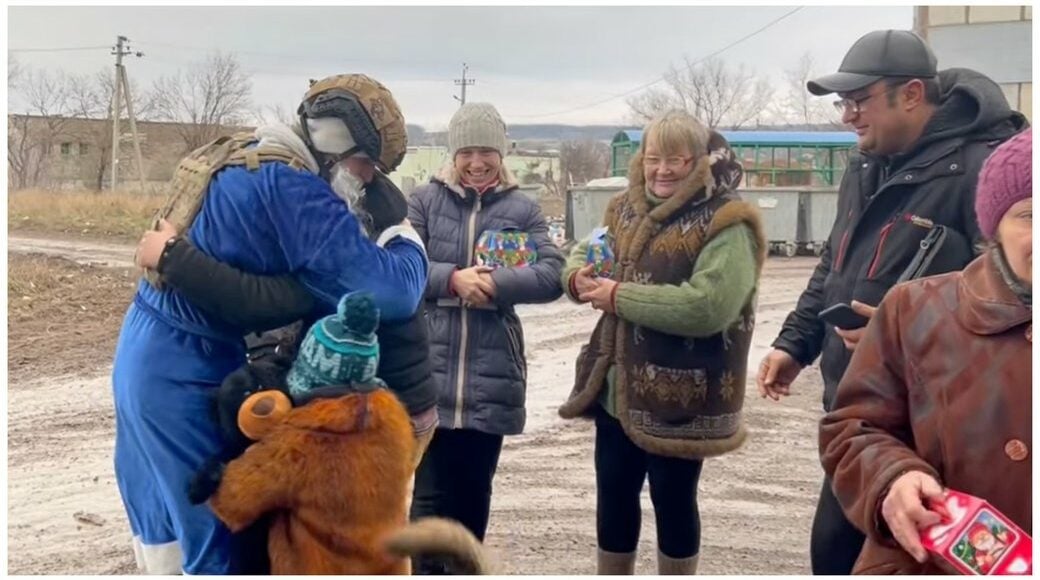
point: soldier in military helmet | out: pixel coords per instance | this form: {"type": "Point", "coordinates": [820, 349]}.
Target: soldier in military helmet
{"type": "Point", "coordinates": [354, 162]}
{"type": "Point", "coordinates": [272, 205]}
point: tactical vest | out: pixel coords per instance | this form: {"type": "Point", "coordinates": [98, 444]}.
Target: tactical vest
{"type": "Point", "coordinates": [190, 182]}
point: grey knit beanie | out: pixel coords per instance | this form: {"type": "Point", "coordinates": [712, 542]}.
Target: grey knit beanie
{"type": "Point", "coordinates": [477, 125]}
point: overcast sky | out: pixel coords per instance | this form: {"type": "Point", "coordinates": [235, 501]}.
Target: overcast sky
{"type": "Point", "coordinates": [530, 62]}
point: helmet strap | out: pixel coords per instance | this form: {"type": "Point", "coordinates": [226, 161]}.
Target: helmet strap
{"type": "Point", "coordinates": [330, 160]}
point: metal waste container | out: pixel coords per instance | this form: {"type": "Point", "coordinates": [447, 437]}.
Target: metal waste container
{"type": "Point", "coordinates": [585, 208]}
{"type": "Point", "coordinates": [821, 209]}
{"type": "Point", "coordinates": [781, 216]}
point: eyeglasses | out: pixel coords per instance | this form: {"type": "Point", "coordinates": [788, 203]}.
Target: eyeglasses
{"type": "Point", "coordinates": [855, 105]}
{"type": "Point", "coordinates": [672, 163]}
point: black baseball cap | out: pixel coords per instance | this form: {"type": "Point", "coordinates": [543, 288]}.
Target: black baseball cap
{"type": "Point", "coordinates": [878, 54]}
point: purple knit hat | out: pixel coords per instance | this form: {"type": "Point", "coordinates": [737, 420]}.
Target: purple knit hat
{"type": "Point", "coordinates": [1006, 178]}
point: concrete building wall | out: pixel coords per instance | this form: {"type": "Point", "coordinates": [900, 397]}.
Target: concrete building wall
{"type": "Point", "coordinates": [994, 40]}
{"type": "Point", "coordinates": [64, 152]}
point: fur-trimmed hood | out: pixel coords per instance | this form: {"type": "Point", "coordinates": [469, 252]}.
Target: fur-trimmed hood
{"type": "Point", "coordinates": [288, 137]}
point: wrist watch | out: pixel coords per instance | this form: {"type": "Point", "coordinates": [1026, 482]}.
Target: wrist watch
{"type": "Point", "coordinates": [170, 243]}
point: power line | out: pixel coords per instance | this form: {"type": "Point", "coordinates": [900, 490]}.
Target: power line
{"type": "Point", "coordinates": [215, 48]}
{"type": "Point", "coordinates": [664, 76]}
{"type": "Point", "coordinates": [368, 62]}
{"type": "Point", "coordinates": [315, 64]}
{"type": "Point", "coordinates": [62, 49]}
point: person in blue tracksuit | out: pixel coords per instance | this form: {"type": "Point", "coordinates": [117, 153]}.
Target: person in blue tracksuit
{"type": "Point", "coordinates": [273, 219]}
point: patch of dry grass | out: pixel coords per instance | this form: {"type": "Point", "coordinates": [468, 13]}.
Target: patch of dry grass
{"type": "Point", "coordinates": [122, 215]}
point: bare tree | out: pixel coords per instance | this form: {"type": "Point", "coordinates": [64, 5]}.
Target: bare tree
{"type": "Point", "coordinates": [34, 133]}
{"type": "Point", "coordinates": [91, 98]}
{"type": "Point", "coordinates": [717, 93]}
{"type": "Point", "coordinates": [799, 106]}
{"type": "Point", "coordinates": [279, 113]}
{"type": "Point", "coordinates": [649, 104]}
{"type": "Point", "coordinates": [14, 69]}
{"type": "Point", "coordinates": [583, 161]}
{"type": "Point", "coordinates": [24, 152]}
{"type": "Point", "coordinates": [206, 99]}
{"type": "Point", "coordinates": [56, 108]}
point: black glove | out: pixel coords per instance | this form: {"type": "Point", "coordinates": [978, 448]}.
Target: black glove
{"type": "Point", "coordinates": [235, 389]}
{"type": "Point", "coordinates": [206, 481]}
{"type": "Point", "coordinates": [279, 345]}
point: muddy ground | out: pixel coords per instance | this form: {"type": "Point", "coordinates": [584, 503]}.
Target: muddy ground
{"type": "Point", "coordinates": [65, 516]}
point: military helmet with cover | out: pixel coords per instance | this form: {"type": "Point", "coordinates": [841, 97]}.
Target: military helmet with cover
{"type": "Point", "coordinates": [368, 110]}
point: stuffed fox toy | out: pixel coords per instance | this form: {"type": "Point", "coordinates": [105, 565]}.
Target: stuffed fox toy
{"type": "Point", "coordinates": [332, 462]}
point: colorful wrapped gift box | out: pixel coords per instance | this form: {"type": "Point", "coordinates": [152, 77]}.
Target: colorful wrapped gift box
{"type": "Point", "coordinates": [505, 249]}
{"type": "Point", "coordinates": [599, 253]}
{"type": "Point", "coordinates": [976, 539]}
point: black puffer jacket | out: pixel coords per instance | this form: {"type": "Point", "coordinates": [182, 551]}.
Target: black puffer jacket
{"type": "Point", "coordinates": [885, 206]}
{"type": "Point", "coordinates": [478, 353]}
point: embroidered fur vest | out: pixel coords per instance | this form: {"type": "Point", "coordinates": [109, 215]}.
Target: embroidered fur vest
{"type": "Point", "coordinates": [676, 396]}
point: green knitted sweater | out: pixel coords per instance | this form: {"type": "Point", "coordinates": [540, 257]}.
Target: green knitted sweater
{"type": "Point", "coordinates": [706, 304]}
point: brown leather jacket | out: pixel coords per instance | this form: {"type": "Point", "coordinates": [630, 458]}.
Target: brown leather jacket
{"type": "Point", "coordinates": [941, 383]}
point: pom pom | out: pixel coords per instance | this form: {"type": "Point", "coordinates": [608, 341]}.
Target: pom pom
{"type": "Point", "coordinates": [358, 312]}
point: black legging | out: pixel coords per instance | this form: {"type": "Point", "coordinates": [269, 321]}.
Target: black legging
{"type": "Point", "coordinates": [621, 469]}
{"type": "Point", "coordinates": [454, 478]}
{"type": "Point", "coordinates": [835, 542]}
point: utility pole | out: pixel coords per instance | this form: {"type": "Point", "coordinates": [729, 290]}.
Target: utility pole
{"type": "Point", "coordinates": [464, 82]}
{"type": "Point", "coordinates": [120, 92]}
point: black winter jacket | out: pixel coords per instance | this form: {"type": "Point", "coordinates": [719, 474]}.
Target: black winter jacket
{"type": "Point", "coordinates": [885, 207]}
{"type": "Point", "coordinates": [478, 353]}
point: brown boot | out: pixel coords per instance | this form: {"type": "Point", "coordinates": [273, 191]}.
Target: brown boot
{"type": "Point", "coordinates": [615, 564]}
{"type": "Point", "coordinates": [667, 566]}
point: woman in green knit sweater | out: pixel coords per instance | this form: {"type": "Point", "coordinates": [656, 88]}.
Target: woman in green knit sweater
{"type": "Point", "coordinates": [664, 371]}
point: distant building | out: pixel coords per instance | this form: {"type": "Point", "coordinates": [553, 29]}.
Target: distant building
{"type": "Point", "coordinates": [994, 40]}
{"type": "Point", "coordinates": [74, 153]}
{"type": "Point", "coordinates": [71, 153]}
{"type": "Point", "coordinates": [418, 166]}
{"type": "Point", "coordinates": [422, 163]}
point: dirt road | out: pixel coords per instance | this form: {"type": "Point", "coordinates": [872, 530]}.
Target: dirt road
{"type": "Point", "coordinates": [79, 251]}
{"type": "Point", "coordinates": [756, 504]}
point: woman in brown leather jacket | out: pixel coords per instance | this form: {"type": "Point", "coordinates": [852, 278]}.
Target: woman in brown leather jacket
{"type": "Point", "coordinates": [938, 393]}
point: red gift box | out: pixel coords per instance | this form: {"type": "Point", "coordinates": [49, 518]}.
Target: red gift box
{"type": "Point", "coordinates": [976, 539]}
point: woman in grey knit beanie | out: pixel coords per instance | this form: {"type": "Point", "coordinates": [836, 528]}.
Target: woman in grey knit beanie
{"type": "Point", "coordinates": [477, 142]}
{"type": "Point", "coordinates": [476, 340]}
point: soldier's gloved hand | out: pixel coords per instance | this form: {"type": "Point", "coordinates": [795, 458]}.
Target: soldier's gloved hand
{"type": "Point", "coordinates": [206, 481]}
{"type": "Point", "coordinates": [384, 202]}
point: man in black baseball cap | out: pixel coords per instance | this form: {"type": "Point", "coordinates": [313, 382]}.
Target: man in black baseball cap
{"type": "Point", "coordinates": [894, 63]}
{"type": "Point", "coordinates": [879, 54]}
{"type": "Point", "coordinates": [922, 136]}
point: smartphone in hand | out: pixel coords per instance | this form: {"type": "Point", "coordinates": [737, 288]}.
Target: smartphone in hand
{"type": "Point", "coordinates": [843, 316]}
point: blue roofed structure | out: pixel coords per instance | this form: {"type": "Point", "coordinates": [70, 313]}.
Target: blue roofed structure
{"type": "Point", "coordinates": [847, 138]}
{"type": "Point", "coordinates": [770, 158]}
